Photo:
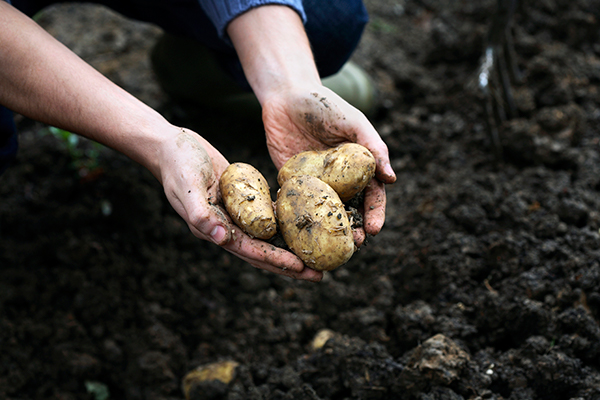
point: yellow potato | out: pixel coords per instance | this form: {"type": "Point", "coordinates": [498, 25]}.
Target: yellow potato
{"type": "Point", "coordinates": [247, 198]}
{"type": "Point", "coordinates": [314, 223]}
{"type": "Point", "coordinates": [219, 374]}
{"type": "Point", "coordinates": [347, 168]}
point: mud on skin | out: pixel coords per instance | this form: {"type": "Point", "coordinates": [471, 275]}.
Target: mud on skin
{"type": "Point", "coordinates": [502, 262]}
{"type": "Point", "coordinates": [318, 123]}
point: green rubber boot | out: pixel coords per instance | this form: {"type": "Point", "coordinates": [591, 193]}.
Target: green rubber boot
{"type": "Point", "coordinates": [353, 84]}
{"type": "Point", "coordinates": [189, 73]}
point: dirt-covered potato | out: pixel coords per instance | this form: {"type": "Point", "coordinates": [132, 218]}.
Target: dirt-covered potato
{"type": "Point", "coordinates": [209, 378]}
{"type": "Point", "coordinates": [347, 168]}
{"type": "Point", "coordinates": [314, 223]}
{"type": "Point", "coordinates": [247, 198]}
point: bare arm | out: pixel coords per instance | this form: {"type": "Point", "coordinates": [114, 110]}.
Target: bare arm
{"type": "Point", "coordinates": [42, 79]}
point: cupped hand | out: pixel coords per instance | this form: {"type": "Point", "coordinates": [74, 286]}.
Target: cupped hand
{"type": "Point", "coordinates": [190, 172]}
{"type": "Point", "coordinates": [316, 118]}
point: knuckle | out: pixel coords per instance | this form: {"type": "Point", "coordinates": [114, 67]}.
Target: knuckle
{"type": "Point", "coordinates": [198, 218]}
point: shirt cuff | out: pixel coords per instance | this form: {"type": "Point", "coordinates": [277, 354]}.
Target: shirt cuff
{"type": "Point", "coordinates": [221, 12]}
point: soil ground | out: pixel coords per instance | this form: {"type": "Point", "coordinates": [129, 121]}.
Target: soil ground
{"type": "Point", "coordinates": [483, 284]}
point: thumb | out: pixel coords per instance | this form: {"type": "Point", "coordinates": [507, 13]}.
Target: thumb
{"type": "Point", "coordinates": [219, 234]}
{"type": "Point", "coordinates": [368, 137]}
{"type": "Point", "coordinates": [383, 171]}
{"type": "Point", "coordinates": [208, 221]}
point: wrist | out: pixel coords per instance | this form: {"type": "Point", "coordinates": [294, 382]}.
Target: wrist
{"type": "Point", "coordinates": [274, 50]}
{"type": "Point", "coordinates": [140, 133]}
{"type": "Point", "coordinates": [154, 147]}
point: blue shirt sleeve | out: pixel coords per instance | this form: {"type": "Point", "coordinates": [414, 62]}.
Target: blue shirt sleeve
{"type": "Point", "coordinates": [222, 12]}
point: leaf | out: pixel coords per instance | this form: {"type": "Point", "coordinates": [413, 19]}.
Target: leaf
{"type": "Point", "coordinates": [98, 390]}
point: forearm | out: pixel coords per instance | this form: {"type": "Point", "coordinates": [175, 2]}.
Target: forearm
{"type": "Point", "coordinates": [42, 79]}
{"type": "Point", "coordinates": [273, 49]}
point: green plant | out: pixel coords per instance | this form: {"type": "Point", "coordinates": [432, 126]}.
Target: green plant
{"type": "Point", "coordinates": [84, 159]}
{"type": "Point", "coordinates": [381, 26]}
{"type": "Point", "coordinates": [98, 390]}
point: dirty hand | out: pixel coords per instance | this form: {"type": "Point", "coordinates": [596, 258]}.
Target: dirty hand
{"type": "Point", "coordinates": [299, 113]}
{"type": "Point", "coordinates": [190, 172]}
{"type": "Point", "coordinates": [315, 118]}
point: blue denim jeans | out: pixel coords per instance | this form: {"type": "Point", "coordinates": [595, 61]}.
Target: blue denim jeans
{"type": "Point", "coordinates": [8, 139]}
{"type": "Point", "coordinates": [334, 28]}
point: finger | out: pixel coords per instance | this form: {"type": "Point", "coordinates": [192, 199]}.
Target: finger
{"type": "Point", "coordinates": [370, 138]}
{"type": "Point", "coordinates": [384, 171]}
{"type": "Point", "coordinates": [359, 236]}
{"type": "Point", "coordinates": [307, 274]}
{"type": "Point", "coordinates": [265, 256]}
{"type": "Point", "coordinates": [375, 201]}
{"type": "Point", "coordinates": [208, 222]}
{"type": "Point", "coordinates": [263, 253]}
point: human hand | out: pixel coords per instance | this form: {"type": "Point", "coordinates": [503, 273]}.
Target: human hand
{"type": "Point", "coordinates": [315, 118]}
{"type": "Point", "coordinates": [190, 173]}
{"type": "Point", "coordinates": [299, 113]}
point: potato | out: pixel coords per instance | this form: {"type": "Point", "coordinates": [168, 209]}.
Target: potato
{"type": "Point", "coordinates": [209, 378]}
{"type": "Point", "coordinates": [347, 168]}
{"type": "Point", "coordinates": [314, 223]}
{"type": "Point", "coordinates": [247, 198]}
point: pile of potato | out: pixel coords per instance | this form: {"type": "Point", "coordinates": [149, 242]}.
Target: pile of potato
{"type": "Point", "coordinates": [309, 210]}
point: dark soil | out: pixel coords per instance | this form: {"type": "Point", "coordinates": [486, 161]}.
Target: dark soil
{"type": "Point", "coordinates": [483, 284]}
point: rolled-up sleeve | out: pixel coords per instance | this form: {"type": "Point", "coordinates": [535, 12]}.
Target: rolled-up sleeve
{"type": "Point", "coordinates": [222, 12]}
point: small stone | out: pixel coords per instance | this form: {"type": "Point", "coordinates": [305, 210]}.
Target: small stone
{"type": "Point", "coordinates": [321, 338]}
{"type": "Point", "coordinates": [209, 381]}
{"type": "Point", "coordinates": [437, 361]}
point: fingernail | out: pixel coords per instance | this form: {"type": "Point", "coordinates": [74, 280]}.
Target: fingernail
{"type": "Point", "coordinates": [218, 234]}
{"type": "Point", "coordinates": [389, 171]}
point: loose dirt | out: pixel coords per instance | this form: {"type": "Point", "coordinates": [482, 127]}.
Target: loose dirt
{"type": "Point", "coordinates": [483, 284]}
